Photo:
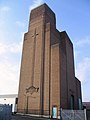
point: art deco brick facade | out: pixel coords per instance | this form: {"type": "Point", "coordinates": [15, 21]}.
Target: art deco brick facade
{"type": "Point", "coordinates": [47, 75]}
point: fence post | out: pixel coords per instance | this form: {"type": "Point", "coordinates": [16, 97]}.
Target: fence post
{"type": "Point", "coordinates": [85, 114]}
{"type": "Point", "coordinates": [60, 113]}
{"type": "Point", "coordinates": [72, 114]}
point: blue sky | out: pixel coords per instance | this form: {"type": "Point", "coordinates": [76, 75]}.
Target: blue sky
{"type": "Point", "coordinates": [71, 16]}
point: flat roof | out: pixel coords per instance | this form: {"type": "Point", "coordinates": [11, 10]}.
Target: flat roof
{"type": "Point", "coordinates": [87, 104]}
{"type": "Point", "coordinates": [9, 96]}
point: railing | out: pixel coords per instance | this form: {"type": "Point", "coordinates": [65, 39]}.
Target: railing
{"type": "Point", "coordinates": [73, 114]}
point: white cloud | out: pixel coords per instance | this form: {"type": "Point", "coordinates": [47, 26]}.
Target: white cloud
{"type": "Point", "coordinates": [9, 68]}
{"type": "Point", "coordinates": [35, 4]}
{"type": "Point", "coordinates": [20, 24]}
{"type": "Point", "coordinates": [4, 9]}
{"type": "Point", "coordinates": [2, 48]}
{"type": "Point", "coordinates": [10, 48]}
{"type": "Point", "coordinates": [82, 42]}
{"type": "Point", "coordinates": [82, 60]}
{"type": "Point", "coordinates": [83, 69]}
{"type": "Point", "coordinates": [4, 14]}
{"type": "Point", "coordinates": [9, 77]}
{"type": "Point", "coordinates": [15, 48]}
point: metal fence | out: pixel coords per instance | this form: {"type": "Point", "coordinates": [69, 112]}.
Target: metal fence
{"type": "Point", "coordinates": [73, 114]}
{"type": "Point", "coordinates": [5, 112]}
{"type": "Point", "coordinates": [88, 114]}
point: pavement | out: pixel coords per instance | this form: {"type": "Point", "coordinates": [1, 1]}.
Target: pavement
{"type": "Point", "coordinates": [28, 117]}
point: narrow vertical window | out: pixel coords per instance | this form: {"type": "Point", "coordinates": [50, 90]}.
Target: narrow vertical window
{"type": "Point", "coordinates": [72, 102]}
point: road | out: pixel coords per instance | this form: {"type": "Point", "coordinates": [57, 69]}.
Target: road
{"type": "Point", "coordinates": [23, 117]}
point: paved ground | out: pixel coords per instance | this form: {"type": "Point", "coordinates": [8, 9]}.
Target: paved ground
{"type": "Point", "coordinates": [23, 117]}
{"type": "Point", "coordinates": [88, 118]}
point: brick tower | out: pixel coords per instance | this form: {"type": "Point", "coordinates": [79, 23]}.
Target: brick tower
{"type": "Point", "coordinates": [47, 76]}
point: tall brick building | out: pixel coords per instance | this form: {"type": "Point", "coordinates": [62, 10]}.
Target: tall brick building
{"type": "Point", "coordinates": [47, 76]}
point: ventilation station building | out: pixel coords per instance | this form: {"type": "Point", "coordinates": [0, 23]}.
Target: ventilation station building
{"type": "Point", "coordinates": [47, 76]}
